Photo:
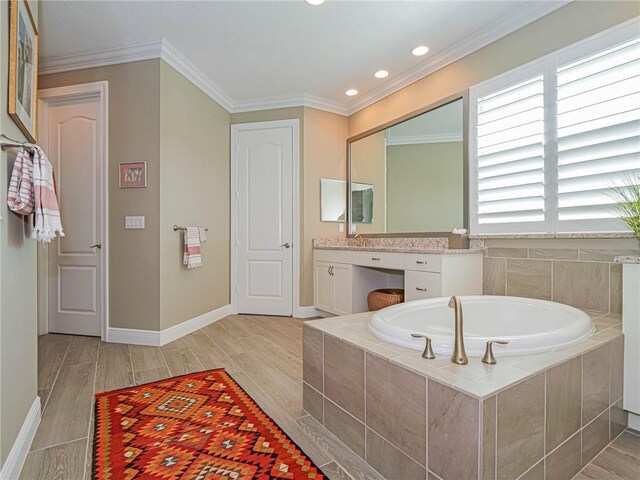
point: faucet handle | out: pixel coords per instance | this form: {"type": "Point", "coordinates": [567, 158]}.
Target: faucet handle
{"type": "Point", "coordinates": [428, 351]}
{"type": "Point", "coordinates": [489, 358]}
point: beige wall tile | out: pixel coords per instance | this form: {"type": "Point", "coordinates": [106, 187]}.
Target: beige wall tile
{"type": "Point", "coordinates": [582, 284]}
{"type": "Point", "coordinates": [595, 437]}
{"type": "Point", "coordinates": [453, 433]}
{"type": "Point", "coordinates": [520, 443]}
{"type": "Point", "coordinates": [615, 288]}
{"type": "Point", "coordinates": [554, 253]}
{"type": "Point", "coordinates": [595, 395]}
{"type": "Point", "coordinates": [390, 461]}
{"type": "Point", "coordinates": [312, 402]}
{"type": "Point", "coordinates": [344, 426]}
{"type": "Point", "coordinates": [617, 369]}
{"type": "Point", "coordinates": [529, 278]}
{"type": "Point", "coordinates": [535, 473]}
{"type": "Point", "coordinates": [494, 274]}
{"type": "Point", "coordinates": [489, 406]}
{"type": "Point", "coordinates": [565, 462]}
{"type": "Point", "coordinates": [344, 375]}
{"type": "Point", "coordinates": [593, 255]}
{"type": "Point", "coordinates": [507, 252]}
{"type": "Point", "coordinates": [312, 357]}
{"type": "Point", "coordinates": [405, 427]}
{"type": "Point", "coordinates": [618, 420]}
{"type": "Point", "coordinates": [563, 402]}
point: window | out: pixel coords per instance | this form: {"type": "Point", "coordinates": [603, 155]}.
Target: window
{"type": "Point", "coordinates": [549, 140]}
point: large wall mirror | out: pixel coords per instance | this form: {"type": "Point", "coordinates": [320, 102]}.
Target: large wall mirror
{"type": "Point", "coordinates": [409, 178]}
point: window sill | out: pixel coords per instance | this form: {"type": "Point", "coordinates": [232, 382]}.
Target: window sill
{"type": "Point", "coordinates": [509, 236]}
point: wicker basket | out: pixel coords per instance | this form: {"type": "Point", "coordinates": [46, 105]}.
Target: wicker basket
{"type": "Point", "coordinates": [385, 297]}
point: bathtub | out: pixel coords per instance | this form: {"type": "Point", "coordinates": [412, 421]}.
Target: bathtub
{"type": "Point", "coordinates": [530, 326]}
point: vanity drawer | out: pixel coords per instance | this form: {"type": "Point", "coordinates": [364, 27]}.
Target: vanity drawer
{"type": "Point", "coordinates": [390, 260]}
{"type": "Point", "coordinates": [423, 262]}
{"type": "Point", "coordinates": [421, 285]}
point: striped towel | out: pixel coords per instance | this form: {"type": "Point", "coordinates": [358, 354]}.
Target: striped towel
{"type": "Point", "coordinates": [192, 257]}
{"type": "Point", "coordinates": [47, 221]}
{"type": "Point", "coordinates": [20, 195]}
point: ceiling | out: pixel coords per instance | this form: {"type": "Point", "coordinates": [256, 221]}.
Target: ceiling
{"type": "Point", "coordinates": [261, 54]}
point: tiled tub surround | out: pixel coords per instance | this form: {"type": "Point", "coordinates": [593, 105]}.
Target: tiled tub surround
{"type": "Point", "coordinates": [412, 418]}
{"type": "Point", "coordinates": [586, 278]}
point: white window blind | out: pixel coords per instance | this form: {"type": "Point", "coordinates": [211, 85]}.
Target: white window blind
{"type": "Point", "coordinates": [598, 118]}
{"type": "Point", "coordinates": [549, 140]}
{"type": "Point", "coordinates": [510, 153]}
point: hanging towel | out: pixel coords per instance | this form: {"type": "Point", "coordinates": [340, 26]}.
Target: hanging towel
{"type": "Point", "coordinates": [47, 221]}
{"type": "Point", "coordinates": [20, 195]}
{"type": "Point", "coordinates": [192, 257]}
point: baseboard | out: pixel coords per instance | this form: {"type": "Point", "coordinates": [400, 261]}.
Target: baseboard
{"type": "Point", "coordinates": [306, 312]}
{"type": "Point", "coordinates": [162, 337]}
{"type": "Point", "coordinates": [634, 421]}
{"type": "Point", "coordinates": [18, 453]}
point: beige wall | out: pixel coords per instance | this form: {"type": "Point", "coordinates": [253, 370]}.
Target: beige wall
{"type": "Point", "coordinates": [369, 165]}
{"type": "Point", "coordinates": [424, 187]}
{"type": "Point", "coordinates": [18, 313]}
{"type": "Point", "coordinates": [323, 138]}
{"type": "Point", "coordinates": [134, 135]}
{"type": "Point", "coordinates": [567, 25]}
{"type": "Point", "coordinates": [194, 186]}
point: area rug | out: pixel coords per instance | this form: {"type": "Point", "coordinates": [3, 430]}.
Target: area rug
{"type": "Point", "coordinates": [201, 426]}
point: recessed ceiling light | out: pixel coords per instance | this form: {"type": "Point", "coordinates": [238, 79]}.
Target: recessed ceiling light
{"type": "Point", "coordinates": [351, 92]}
{"type": "Point", "coordinates": [381, 74]}
{"type": "Point", "coordinates": [315, 3]}
{"type": "Point", "coordinates": [419, 51]}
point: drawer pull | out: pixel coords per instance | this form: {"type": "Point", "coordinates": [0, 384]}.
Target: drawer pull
{"type": "Point", "coordinates": [420, 289]}
{"type": "Point", "coordinates": [375, 259]}
{"type": "Point", "coordinates": [420, 262]}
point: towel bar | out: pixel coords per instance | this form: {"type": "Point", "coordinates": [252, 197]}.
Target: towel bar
{"type": "Point", "coordinates": [6, 143]}
{"type": "Point", "coordinates": [177, 227]}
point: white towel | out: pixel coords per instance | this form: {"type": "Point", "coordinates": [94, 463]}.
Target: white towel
{"type": "Point", "coordinates": [47, 218]}
{"type": "Point", "coordinates": [20, 196]}
{"type": "Point", "coordinates": [192, 257]}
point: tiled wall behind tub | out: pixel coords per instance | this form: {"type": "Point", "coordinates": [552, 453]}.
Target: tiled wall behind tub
{"type": "Point", "coordinates": [577, 272]}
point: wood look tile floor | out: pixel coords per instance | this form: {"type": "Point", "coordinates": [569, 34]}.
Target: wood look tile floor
{"type": "Point", "coordinates": [263, 354]}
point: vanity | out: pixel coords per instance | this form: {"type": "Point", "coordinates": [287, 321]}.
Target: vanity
{"type": "Point", "coordinates": [345, 274]}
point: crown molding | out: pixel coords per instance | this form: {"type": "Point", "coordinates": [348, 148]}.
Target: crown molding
{"type": "Point", "coordinates": [527, 14]}
{"type": "Point", "coordinates": [166, 51]}
{"type": "Point", "coordinates": [420, 139]}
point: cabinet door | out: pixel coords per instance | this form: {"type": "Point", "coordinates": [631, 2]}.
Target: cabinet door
{"type": "Point", "coordinates": [324, 287]}
{"type": "Point", "coordinates": [421, 285]}
{"type": "Point", "coordinates": [343, 289]}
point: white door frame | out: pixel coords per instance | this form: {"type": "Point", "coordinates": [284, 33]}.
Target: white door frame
{"type": "Point", "coordinates": [235, 130]}
{"type": "Point", "coordinates": [78, 92]}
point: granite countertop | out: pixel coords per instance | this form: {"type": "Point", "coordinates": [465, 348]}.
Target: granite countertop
{"type": "Point", "coordinates": [626, 259]}
{"type": "Point", "coordinates": [432, 251]}
{"type": "Point", "coordinates": [515, 236]}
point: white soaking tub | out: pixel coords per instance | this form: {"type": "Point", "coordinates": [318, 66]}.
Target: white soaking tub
{"type": "Point", "coordinates": [529, 325]}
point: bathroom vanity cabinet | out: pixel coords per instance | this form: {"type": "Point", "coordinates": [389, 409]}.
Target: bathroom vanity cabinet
{"type": "Point", "coordinates": [344, 277]}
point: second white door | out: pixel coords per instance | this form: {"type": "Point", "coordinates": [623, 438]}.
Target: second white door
{"type": "Point", "coordinates": [265, 246]}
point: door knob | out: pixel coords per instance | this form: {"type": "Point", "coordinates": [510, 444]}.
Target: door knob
{"type": "Point", "coordinates": [97, 245]}
{"type": "Point", "coordinates": [285, 245]}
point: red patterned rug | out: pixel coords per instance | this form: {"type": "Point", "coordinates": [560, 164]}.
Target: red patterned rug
{"type": "Point", "coordinates": [200, 426]}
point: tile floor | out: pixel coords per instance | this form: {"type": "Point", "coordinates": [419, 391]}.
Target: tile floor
{"type": "Point", "coordinates": [263, 354]}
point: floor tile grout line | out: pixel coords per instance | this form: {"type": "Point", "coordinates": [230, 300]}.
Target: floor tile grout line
{"type": "Point", "coordinates": [58, 444]}
{"type": "Point", "coordinates": [53, 384]}
{"type": "Point", "coordinates": [93, 399]}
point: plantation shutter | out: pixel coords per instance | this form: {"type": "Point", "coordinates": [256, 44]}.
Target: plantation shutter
{"type": "Point", "coordinates": [598, 130]}
{"type": "Point", "coordinates": [510, 154]}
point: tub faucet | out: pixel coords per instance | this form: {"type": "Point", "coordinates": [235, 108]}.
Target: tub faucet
{"type": "Point", "coordinates": [459, 355]}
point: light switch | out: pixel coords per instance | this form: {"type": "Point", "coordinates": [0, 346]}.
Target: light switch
{"type": "Point", "coordinates": [133, 222]}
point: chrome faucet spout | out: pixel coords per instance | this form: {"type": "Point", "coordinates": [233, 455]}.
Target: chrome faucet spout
{"type": "Point", "coordinates": [459, 355]}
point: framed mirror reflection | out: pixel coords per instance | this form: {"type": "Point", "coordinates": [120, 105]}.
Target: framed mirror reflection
{"type": "Point", "coordinates": [408, 177]}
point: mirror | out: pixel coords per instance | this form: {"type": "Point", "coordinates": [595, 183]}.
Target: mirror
{"type": "Point", "coordinates": [333, 200]}
{"type": "Point", "coordinates": [416, 168]}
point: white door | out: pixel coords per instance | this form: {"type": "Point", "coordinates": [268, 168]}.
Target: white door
{"type": "Point", "coordinates": [70, 134]}
{"type": "Point", "coordinates": [265, 221]}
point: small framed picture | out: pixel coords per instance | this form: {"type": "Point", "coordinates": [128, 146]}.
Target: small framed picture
{"type": "Point", "coordinates": [23, 68]}
{"type": "Point", "coordinates": [133, 175]}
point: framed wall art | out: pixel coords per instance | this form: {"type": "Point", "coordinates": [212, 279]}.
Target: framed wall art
{"type": "Point", "coordinates": [23, 68]}
{"type": "Point", "coordinates": [133, 175]}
